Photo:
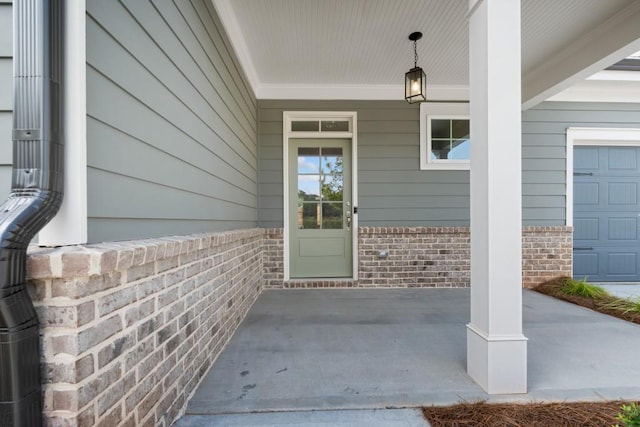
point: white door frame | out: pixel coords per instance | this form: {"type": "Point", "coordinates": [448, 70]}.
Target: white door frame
{"type": "Point", "coordinates": [287, 118]}
{"type": "Point", "coordinates": [622, 137]}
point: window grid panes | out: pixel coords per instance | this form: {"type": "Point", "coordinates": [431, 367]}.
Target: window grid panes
{"type": "Point", "coordinates": [320, 188]}
{"type": "Point", "coordinates": [321, 126]}
{"type": "Point", "coordinates": [449, 139]}
{"type": "Point", "coordinates": [304, 126]}
{"type": "Point", "coordinates": [334, 126]}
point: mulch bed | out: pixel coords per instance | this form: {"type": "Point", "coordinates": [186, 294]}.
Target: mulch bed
{"type": "Point", "coordinates": [553, 288]}
{"type": "Point", "coordinates": [565, 414]}
{"type": "Point", "coordinates": [482, 414]}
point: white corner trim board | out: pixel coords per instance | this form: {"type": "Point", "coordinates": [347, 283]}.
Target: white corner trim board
{"type": "Point", "coordinates": [69, 226]}
{"type": "Point", "coordinates": [629, 137]}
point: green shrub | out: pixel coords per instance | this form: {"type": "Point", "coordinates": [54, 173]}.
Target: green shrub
{"type": "Point", "coordinates": [629, 415]}
{"type": "Point", "coordinates": [583, 289]}
{"type": "Point", "coordinates": [625, 305]}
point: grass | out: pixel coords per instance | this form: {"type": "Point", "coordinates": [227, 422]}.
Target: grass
{"type": "Point", "coordinates": [590, 296]}
{"type": "Point", "coordinates": [582, 288]}
{"type": "Point", "coordinates": [629, 415]}
{"type": "Point", "coordinates": [624, 305]}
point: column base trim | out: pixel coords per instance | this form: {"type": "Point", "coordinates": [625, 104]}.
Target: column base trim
{"type": "Point", "coordinates": [498, 363]}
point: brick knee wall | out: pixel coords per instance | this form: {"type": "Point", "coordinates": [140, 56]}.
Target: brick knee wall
{"type": "Point", "coordinates": [417, 256]}
{"type": "Point", "coordinates": [273, 268]}
{"type": "Point", "coordinates": [129, 329]}
{"type": "Point", "coordinates": [428, 257]}
{"type": "Point", "coordinates": [547, 252]}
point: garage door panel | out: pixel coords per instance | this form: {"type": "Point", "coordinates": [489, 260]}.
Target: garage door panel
{"type": "Point", "coordinates": [622, 229]}
{"type": "Point", "coordinates": [586, 193]}
{"type": "Point", "coordinates": [606, 238]}
{"type": "Point", "coordinates": [622, 158]}
{"type": "Point", "coordinates": [586, 229]}
{"type": "Point", "coordinates": [622, 264]}
{"type": "Point", "coordinates": [585, 264]}
{"type": "Point", "coordinates": [622, 193]}
{"type": "Point", "coordinates": [585, 159]}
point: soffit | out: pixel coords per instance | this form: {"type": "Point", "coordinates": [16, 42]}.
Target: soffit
{"type": "Point", "coordinates": [364, 42]}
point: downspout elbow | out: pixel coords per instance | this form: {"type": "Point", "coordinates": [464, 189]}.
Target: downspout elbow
{"type": "Point", "coordinates": [36, 195]}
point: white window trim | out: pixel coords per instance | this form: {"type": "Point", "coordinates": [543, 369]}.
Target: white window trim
{"type": "Point", "coordinates": [439, 110]}
{"type": "Point", "coordinates": [611, 137]}
{"type": "Point", "coordinates": [287, 118]}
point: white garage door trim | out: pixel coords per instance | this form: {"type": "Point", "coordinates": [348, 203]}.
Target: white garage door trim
{"type": "Point", "coordinates": [611, 137]}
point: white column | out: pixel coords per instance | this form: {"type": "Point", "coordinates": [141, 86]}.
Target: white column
{"type": "Point", "coordinates": [69, 226]}
{"type": "Point", "coordinates": [496, 347]}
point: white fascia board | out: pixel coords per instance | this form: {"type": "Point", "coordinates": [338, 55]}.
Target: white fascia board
{"type": "Point", "coordinates": [236, 37]}
{"type": "Point", "coordinates": [616, 76]}
{"type": "Point", "coordinates": [601, 91]}
{"type": "Point", "coordinates": [357, 92]}
{"type": "Point", "coordinates": [606, 44]}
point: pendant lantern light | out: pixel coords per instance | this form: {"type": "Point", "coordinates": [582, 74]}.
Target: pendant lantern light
{"type": "Point", "coordinates": [415, 81]}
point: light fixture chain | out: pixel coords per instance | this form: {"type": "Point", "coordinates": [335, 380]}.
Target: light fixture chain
{"type": "Point", "coordinates": [415, 78]}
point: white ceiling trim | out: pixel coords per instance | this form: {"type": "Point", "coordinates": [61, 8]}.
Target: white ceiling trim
{"type": "Point", "coordinates": [234, 32]}
{"type": "Point", "coordinates": [600, 91]}
{"type": "Point", "coordinates": [616, 75]}
{"type": "Point", "coordinates": [615, 38]}
{"type": "Point", "coordinates": [357, 92]}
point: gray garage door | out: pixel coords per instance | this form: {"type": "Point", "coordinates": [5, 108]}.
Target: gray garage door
{"type": "Point", "coordinates": [605, 202]}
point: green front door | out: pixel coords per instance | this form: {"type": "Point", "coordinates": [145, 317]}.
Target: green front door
{"type": "Point", "coordinates": [320, 208]}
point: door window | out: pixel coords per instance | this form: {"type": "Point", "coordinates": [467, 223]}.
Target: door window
{"type": "Point", "coordinates": [320, 188]}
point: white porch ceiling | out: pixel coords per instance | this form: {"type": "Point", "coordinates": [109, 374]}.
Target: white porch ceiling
{"type": "Point", "coordinates": [359, 48]}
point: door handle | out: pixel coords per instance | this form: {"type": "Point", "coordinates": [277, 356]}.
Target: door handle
{"type": "Point", "coordinates": [347, 215]}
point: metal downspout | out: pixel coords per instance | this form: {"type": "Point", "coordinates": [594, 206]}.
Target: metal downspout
{"type": "Point", "coordinates": [36, 195]}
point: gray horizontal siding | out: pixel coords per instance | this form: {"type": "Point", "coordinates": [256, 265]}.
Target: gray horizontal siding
{"type": "Point", "coordinates": [544, 151]}
{"type": "Point", "coordinates": [171, 123]}
{"type": "Point", "coordinates": [392, 189]}
{"type": "Point", "coordinates": [6, 97]}
{"type": "Point", "coordinates": [113, 229]}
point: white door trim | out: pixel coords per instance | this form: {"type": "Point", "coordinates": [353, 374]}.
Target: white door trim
{"type": "Point", "coordinates": [287, 117]}
{"type": "Point", "coordinates": [629, 137]}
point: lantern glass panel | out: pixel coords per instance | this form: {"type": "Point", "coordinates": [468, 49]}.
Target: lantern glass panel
{"type": "Point", "coordinates": [415, 85]}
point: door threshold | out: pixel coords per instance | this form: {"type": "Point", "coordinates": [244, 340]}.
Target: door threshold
{"type": "Point", "coordinates": [316, 283]}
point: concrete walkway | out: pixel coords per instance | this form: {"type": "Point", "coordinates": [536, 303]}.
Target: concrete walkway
{"type": "Point", "coordinates": [622, 289]}
{"type": "Point", "coordinates": [344, 418]}
{"type": "Point", "coordinates": [339, 350]}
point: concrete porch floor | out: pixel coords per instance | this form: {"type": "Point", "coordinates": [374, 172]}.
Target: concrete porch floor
{"type": "Point", "coordinates": [301, 350]}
